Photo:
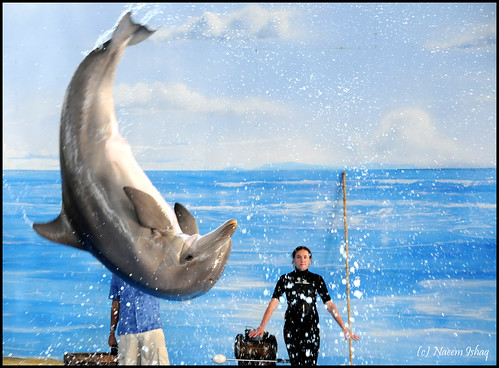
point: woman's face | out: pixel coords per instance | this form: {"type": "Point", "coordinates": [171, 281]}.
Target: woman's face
{"type": "Point", "coordinates": [302, 260]}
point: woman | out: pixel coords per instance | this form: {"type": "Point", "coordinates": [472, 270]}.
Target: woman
{"type": "Point", "coordinates": [301, 325]}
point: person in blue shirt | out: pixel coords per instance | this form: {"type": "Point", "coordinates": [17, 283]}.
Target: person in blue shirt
{"type": "Point", "coordinates": [136, 315]}
{"type": "Point", "coordinates": [301, 320]}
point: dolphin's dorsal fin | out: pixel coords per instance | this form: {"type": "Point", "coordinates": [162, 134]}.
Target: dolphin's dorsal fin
{"type": "Point", "coordinates": [148, 210]}
{"type": "Point", "coordinates": [187, 222]}
{"type": "Point", "coordinates": [59, 231]}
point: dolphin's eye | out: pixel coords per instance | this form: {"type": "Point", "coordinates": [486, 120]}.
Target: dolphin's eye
{"type": "Point", "coordinates": [189, 257]}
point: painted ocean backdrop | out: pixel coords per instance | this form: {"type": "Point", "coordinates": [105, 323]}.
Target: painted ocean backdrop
{"type": "Point", "coordinates": [422, 252]}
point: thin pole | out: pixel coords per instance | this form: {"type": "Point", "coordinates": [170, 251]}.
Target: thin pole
{"type": "Point", "coordinates": [346, 263]}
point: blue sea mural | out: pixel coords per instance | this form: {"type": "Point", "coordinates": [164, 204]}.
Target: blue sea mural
{"type": "Point", "coordinates": [422, 257]}
{"type": "Point", "coordinates": [252, 111]}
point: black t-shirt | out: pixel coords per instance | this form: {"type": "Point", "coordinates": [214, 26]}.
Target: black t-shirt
{"type": "Point", "coordinates": [301, 289]}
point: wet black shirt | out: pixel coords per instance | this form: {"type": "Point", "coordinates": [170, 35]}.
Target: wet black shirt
{"type": "Point", "coordinates": [301, 289]}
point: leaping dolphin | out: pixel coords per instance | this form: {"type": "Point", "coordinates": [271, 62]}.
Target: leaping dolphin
{"type": "Point", "coordinates": [109, 205]}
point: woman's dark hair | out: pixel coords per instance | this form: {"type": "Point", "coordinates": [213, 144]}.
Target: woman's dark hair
{"type": "Point", "coordinates": [300, 248]}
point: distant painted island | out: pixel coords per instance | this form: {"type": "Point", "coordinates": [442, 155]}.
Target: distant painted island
{"type": "Point", "coordinates": [301, 166]}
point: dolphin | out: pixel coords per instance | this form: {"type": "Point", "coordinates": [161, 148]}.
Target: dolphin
{"type": "Point", "coordinates": [110, 207]}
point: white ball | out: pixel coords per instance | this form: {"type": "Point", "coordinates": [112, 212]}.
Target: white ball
{"type": "Point", "coordinates": [219, 359]}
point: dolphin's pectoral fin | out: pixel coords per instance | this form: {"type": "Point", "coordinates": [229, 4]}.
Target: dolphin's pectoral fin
{"type": "Point", "coordinates": [148, 210]}
{"type": "Point", "coordinates": [59, 231]}
{"type": "Point", "coordinates": [186, 220]}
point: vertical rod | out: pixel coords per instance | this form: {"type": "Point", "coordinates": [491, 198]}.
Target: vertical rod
{"type": "Point", "coordinates": [346, 263]}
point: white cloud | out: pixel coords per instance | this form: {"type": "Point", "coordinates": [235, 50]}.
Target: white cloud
{"type": "Point", "coordinates": [180, 97]}
{"type": "Point", "coordinates": [172, 123]}
{"type": "Point", "coordinates": [169, 122]}
{"type": "Point", "coordinates": [469, 37]}
{"type": "Point", "coordinates": [252, 21]}
{"type": "Point", "coordinates": [408, 136]}
{"type": "Point", "coordinates": [251, 131]}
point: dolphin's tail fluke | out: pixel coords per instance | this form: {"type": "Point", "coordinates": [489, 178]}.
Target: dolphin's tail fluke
{"type": "Point", "coordinates": [129, 33]}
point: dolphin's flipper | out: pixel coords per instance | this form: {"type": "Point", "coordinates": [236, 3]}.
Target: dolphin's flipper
{"type": "Point", "coordinates": [187, 222]}
{"type": "Point", "coordinates": [148, 210]}
{"type": "Point", "coordinates": [59, 231]}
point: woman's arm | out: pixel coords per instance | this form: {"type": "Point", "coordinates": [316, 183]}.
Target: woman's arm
{"type": "Point", "coordinates": [336, 315]}
{"type": "Point", "coordinates": [268, 313]}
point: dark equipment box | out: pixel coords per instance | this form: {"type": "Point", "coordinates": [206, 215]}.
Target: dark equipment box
{"type": "Point", "coordinates": [256, 348]}
{"type": "Point", "coordinates": [92, 358]}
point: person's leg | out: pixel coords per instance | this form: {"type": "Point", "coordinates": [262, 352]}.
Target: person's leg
{"type": "Point", "coordinates": [316, 343]}
{"type": "Point", "coordinates": [153, 348]}
{"type": "Point", "coordinates": [311, 345]}
{"type": "Point", "coordinates": [128, 350]}
{"type": "Point", "coordinates": [303, 347]}
{"type": "Point", "coordinates": [292, 345]}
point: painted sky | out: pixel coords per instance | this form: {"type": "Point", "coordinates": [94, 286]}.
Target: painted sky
{"type": "Point", "coordinates": [245, 84]}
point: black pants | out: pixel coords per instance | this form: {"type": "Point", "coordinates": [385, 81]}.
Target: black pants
{"type": "Point", "coordinates": [302, 342]}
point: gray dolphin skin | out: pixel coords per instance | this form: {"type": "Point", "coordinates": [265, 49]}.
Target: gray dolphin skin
{"type": "Point", "coordinates": [109, 205]}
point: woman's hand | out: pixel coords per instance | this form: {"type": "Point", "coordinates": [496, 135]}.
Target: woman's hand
{"type": "Point", "coordinates": [259, 331]}
{"type": "Point", "coordinates": [348, 335]}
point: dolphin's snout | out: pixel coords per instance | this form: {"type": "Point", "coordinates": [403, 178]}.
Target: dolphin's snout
{"type": "Point", "coordinates": [228, 229]}
{"type": "Point", "coordinates": [214, 242]}
{"type": "Point", "coordinates": [222, 233]}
